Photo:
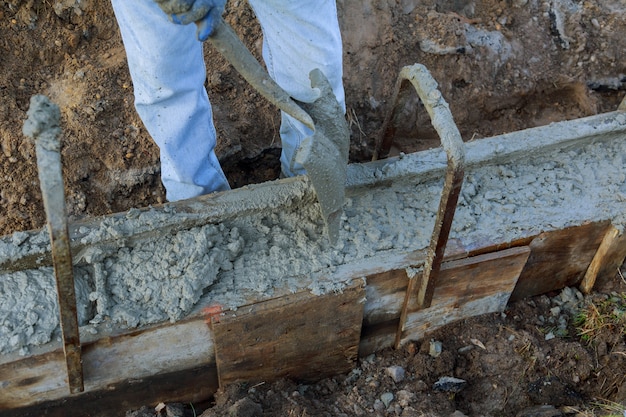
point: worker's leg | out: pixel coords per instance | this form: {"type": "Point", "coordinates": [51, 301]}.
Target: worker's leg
{"type": "Point", "coordinates": [300, 36]}
{"type": "Point", "coordinates": [168, 72]}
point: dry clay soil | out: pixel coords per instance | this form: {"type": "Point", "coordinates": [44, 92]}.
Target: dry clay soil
{"type": "Point", "coordinates": [501, 65]}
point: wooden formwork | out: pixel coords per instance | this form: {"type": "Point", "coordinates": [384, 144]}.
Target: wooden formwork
{"type": "Point", "coordinates": [301, 335]}
{"type": "Point", "coordinates": [305, 336]}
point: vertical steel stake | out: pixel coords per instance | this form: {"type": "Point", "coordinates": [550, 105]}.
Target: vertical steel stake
{"type": "Point", "coordinates": [419, 292]}
{"type": "Point", "coordinates": [42, 125]}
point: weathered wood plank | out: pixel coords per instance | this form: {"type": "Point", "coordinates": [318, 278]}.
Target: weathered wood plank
{"type": "Point", "coordinates": [615, 257]}
{"type": "Point", "coordinates": [385, 293]}
{"type": "Point", "coordinates": [116, 364]}
{"type": "Point", "coordinates": [384, 297]}
{"type": "Point", "coordinates": [459, 250]}
{"type": "Point", "coordinates": [109, 361]}
{"type": "Point", "coordinates": [139, 354]}
{"type": "Point", "coordinates": [188, 385]}
{"type": "Point", "coordinates": [302, 336]}
{"type": "Point", "coordinates": [466, 288]}
{"type": "Point", "coordinates": [559, 259]}
{"type": "Point", "coordinates": [385, 290]}
{"type": "Point", "coordinates": [606, 261]}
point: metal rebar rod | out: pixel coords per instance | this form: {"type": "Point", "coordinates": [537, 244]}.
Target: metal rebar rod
{"type": "Point", "coordinates": [42, 125]}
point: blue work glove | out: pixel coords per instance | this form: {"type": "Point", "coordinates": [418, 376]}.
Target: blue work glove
{"type": "Point", "coordinates": [204, 13]}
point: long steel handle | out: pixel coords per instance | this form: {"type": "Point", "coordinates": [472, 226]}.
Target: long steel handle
{"type": "Point", "coordinates": [226, 41]}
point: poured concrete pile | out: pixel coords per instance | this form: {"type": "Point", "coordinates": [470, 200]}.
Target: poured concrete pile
{"type": "Point", "coordinates": [146, 267]}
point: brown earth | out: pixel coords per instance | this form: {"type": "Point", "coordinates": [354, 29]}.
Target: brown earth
{"type": "Point", "coordinates": [502, 66]}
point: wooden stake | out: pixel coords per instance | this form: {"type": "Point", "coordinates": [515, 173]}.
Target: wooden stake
{"type": "Point", "coordinates": [608, 258]}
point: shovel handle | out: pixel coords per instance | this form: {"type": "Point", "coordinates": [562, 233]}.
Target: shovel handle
{"type": "Point", "coordinates": [226, 41]}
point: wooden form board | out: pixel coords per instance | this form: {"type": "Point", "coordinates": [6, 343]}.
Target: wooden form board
{"type": "Point", "coordinates": [467, 288]}
{"type": "Point", "coordinates": [297, 336]}
{"type": "Point", "coordinates": [559, 259]}
{"type": "Point", "coordinates": [110, 364]}
{"type": "Point", "coordinates": [185, 386]}
{"type": "Point", "coordinates": [556, 259]}
{"type": "Point", "coordinates": [178, 362]}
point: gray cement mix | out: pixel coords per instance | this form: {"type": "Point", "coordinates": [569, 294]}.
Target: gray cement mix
{"type": "Point", "coordinates": [165, 273]}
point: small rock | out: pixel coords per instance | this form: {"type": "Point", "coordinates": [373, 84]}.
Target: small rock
{"type": "Point", "coordinates": [174, 410]}
{"type": "Point", "coordinates": [379, 406]}
{"type": "Point", "coordinates": [478, 343]}
{"type": "Point", "coordinates": [466, 349]}
{"type": "Point", "coordinates": [549, 336]}
{"type": "Point", "coordinates": [386, 398]}
{"type": "Point", "coordinates": [595, 23]}
{"type": "Point", "coordinates": [405, 397]}
{"type": "Point", "coordinates": [554, 391]}
{"type": "Point", "coordinates": [396, 373]}
{"type": "Point", "coordinates": [458, 413]}
{"type": "Point", "coordinates": [421, 386]}
{"type": "Point", "coordinates": [435, 348]}
{"type": "Point", "coordinates": [449, 384]}
{"type": "Point", "coordinates": [374, 383]}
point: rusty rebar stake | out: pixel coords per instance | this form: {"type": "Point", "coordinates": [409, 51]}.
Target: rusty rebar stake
{"type": "Point", "coordinates": [419, 293]}
{"type": "Point", "coordinates": [42, 125]}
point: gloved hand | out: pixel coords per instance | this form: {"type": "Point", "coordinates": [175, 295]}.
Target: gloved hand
{"type": "Point", "coordinates": [205, 13]}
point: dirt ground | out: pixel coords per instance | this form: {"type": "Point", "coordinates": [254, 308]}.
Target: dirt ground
{"type": "Point", "coordinates": [501, 65]}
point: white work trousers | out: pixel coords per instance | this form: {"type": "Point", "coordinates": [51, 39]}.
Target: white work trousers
{"type": "Point", "coordinates": [168, 71]}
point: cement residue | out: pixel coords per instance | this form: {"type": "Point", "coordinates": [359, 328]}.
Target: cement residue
{"type": "Point", "coordinates": [21, 244]}
{"type": "Point", "coordinates": [162, 276]}
{"type": "Point", "coordinates": [29, 307]}
{"type": "Point", "coordinates": [555, 191]}
{"type": "Point", "coordinates": [180, 268]}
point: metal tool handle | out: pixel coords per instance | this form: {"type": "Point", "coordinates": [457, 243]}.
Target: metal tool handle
{"type": "Point", "coordinates": [226, 41]}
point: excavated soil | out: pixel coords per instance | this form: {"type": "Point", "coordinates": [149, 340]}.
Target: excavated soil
{"type": "Point", "coordinates": [501, 65]}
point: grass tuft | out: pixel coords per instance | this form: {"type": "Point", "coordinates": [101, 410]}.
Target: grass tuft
{"type": "Point", "coordinates": [598, 316]}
